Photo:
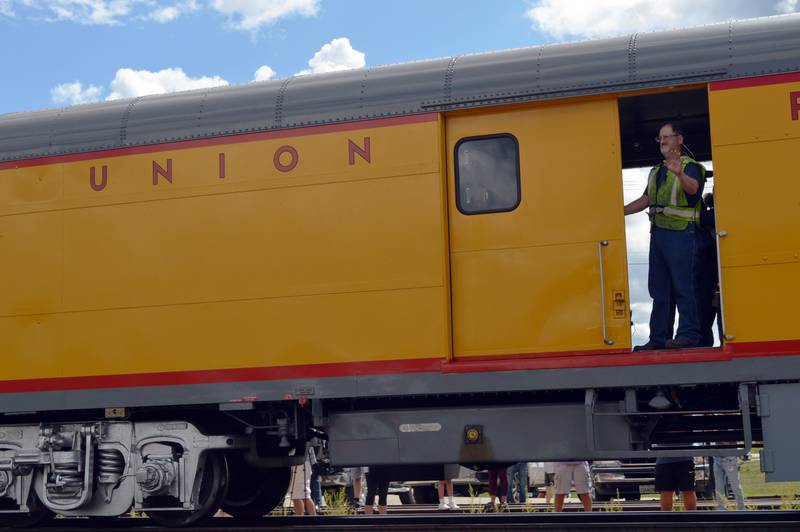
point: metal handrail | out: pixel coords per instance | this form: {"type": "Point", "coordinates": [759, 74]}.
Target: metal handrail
{"type": "Point", "coordinates": [606, 339]}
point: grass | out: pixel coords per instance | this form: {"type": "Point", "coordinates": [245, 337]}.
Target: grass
{"type": "Point", "coordinates": [338, 503]}
{"type": "Point", "coordinates": [474, 508]}
{"type": "Point", "coordinates": [754, 485]}
{"type": "Point", "coordinates": [614, 505]}
{"type": "Point", "coordinates": [282, 509]}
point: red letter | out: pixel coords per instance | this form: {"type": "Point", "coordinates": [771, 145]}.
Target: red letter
{"type": "Point", "coordinates": [794, 100]}
{"type": "Point", "coordinates": [158, 171]}
{"type": "Point", "coordinates": [353, 149]}
{"type": "Point", "coordinates": [222, 166]}
{"type": "Point", "coordinates": [103, 178]}
{"type": "Point", "coordinates": [277, 158]}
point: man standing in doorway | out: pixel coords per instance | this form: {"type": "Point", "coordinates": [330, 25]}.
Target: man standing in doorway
{"type": "Point", "coordinates": [673, 196]}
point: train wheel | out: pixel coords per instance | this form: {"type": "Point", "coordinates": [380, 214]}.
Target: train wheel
{"type": "Point", "coordinates": [213, 479]}
{"type": "Point", "coordinates": [254, 492]}
{"type": "Point", "coordinates": [38, 514]}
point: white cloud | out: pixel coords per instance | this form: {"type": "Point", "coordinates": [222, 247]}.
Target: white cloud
{"type": "Point", "coordinates": [166, 14]}
{"type": "Point", "coordinates": [102, 12]}
{"type": "Point", "coordinates": [337, 55]}
{"type": "Point", "coordinates": [251, 15]}
{"type": "Point", "coordinates": [6, 8]}
{"type": "Point", "coordinates": [601, 18]}
{"type": "Point", "coordinates": [74, 93]}
{"type": "Point", "coordinates": [263, 73]}
{"type": "Point", "coordinates": [129, 83]}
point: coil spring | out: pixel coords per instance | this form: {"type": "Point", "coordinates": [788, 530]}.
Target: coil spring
{"type": "Point", "coordinates": [110, 465]}
{"type": "Point", "coordinates": [68, 475]}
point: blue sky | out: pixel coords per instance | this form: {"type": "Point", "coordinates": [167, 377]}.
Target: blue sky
{"type": "Point", "coordinates": [52, 43]}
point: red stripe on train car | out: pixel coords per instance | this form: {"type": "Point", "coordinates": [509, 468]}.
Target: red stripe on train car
{"type": "Point", "coordinates": [174, 378]}
{"type": "Point", "coordinates": [755, 81]}
{"type": "Point", "coordinates": [216, 141]}
{"type": "Point", "coordinates": [586, 359]}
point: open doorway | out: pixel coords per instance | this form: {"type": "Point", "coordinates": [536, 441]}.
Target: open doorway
{"type": "Point", "coordinates": [641, 118]}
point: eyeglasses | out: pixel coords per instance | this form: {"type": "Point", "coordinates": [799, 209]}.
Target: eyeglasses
{"type": "Point", "coordinates": [659, 139]}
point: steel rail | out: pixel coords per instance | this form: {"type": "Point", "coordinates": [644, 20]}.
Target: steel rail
{"type": "Point", "coordinates": [619, 521]}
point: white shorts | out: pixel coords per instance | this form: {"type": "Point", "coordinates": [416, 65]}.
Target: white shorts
{"type": "Point", "coordinates": [300, 487]}
{"type": "Point", "coordinates": [568, 474]}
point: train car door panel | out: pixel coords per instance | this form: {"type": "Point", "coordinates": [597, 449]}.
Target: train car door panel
{"type": "Point", "coordinates": [537, 233]}
{"type": "Point", "coordinates": [756, 137]}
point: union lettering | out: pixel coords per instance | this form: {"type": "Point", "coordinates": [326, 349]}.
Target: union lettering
{"type": "Point", "coordinates": [97, 187]}
{"type": "Point", "coordinates": [794, 102]}
{"type": "Point", "coordinates": [285, 159]}
{"type": "Point", "coordinates": [354, 149]}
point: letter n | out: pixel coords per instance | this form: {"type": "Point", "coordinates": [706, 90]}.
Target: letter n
{"type": "Point", "coordinates": [159, 171]}
{"type": "Point", "coordinates": [794, 99]}
{"type": "Point", "coordinates": [97, 187]}
{"type": "Point", "coordinates": [354, 149]}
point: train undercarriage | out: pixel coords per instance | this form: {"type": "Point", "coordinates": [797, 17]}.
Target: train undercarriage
{"type": "Point", "coordinates": [180, 474]}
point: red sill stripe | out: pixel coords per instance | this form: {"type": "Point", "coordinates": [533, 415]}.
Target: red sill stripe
{"type": "Point", "coordinates": [216, 141]}
{"type": "Point", "coordinates": [586, 359]}
{"type": "Point", "coordinates": [757, 81]}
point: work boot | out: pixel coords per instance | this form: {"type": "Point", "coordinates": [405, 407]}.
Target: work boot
{"type": "Point", "coordinates": [649, 346]}
{"type": "Point", "coordinates": [679, 343]}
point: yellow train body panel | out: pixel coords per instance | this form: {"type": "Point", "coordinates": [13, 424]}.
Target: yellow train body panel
{"type": "Point", "coordinates": [346, 244]}
{"type": "Point", "coordinates": [755, 142]}
{"type": "Point", "coordinates": [338, 260]}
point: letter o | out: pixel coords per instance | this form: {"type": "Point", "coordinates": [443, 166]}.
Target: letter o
{"type": "Point", "coordinates": [277, 158]}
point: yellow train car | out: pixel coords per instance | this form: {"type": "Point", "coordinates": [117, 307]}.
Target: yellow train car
{"type": "Point", "coordinates": [424, 263]}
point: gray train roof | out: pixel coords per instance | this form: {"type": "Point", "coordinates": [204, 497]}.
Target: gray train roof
{"type": "Point", "coordinates": [642, 60]}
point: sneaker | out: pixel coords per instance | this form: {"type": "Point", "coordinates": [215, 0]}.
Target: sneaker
{"type": "Point", "coordinates": [453, 506]}
{"type": "Point", "coordinates": [504, 507]}
{"type": "Point", "coordinates": [442, 505]}
{"type": "Point", "coordinates": [649, 346]}
{"type": "Point", "coordinates": [489, 507]}
{"type": "Point", "coordinates": [679, 343]}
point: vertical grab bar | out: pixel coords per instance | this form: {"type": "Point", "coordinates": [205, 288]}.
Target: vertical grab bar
{"type": "Point", "coordinates": [606, 339]}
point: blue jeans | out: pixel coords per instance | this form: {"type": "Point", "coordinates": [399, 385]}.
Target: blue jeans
{"type": "Point", "coordinates": [316, 490]}
{"type": "Point", "coordinates": [726, 471]}
{"type": "Point", "coordinates": [520, 469]}
{"type": "Point", "coordinates": [673, 281]}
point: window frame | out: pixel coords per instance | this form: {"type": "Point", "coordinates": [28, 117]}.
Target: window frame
{"type": "Point", "coordinates": [457, 177]}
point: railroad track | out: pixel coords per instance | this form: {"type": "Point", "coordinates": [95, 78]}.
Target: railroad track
{"type": "Point", "coordinates": [423, 521]}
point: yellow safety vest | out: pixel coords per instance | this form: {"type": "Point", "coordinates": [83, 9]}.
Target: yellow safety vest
{"type": "Point", "coordinates": [669, 207]}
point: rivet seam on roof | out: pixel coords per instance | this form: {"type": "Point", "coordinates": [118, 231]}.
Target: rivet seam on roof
{"type": "Point", "coordinates": [448, 77]}
{"type": "Point", "coordinates": [279, 102]}
{"type": "Point", "coordinates": [362, 94]}
{"type": "Point", "coordinates": [539, 66]}
{"type": "Point", "coordinates": [730, 43]}
{"type": "Point", "coordinates": [202, 108]}
{"type": "Point", "coordinates": [123, 129]}
{"type": "Point", "coordinates": [632, 56]}
{"type": "Point", "coordinates": [53, 128]}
